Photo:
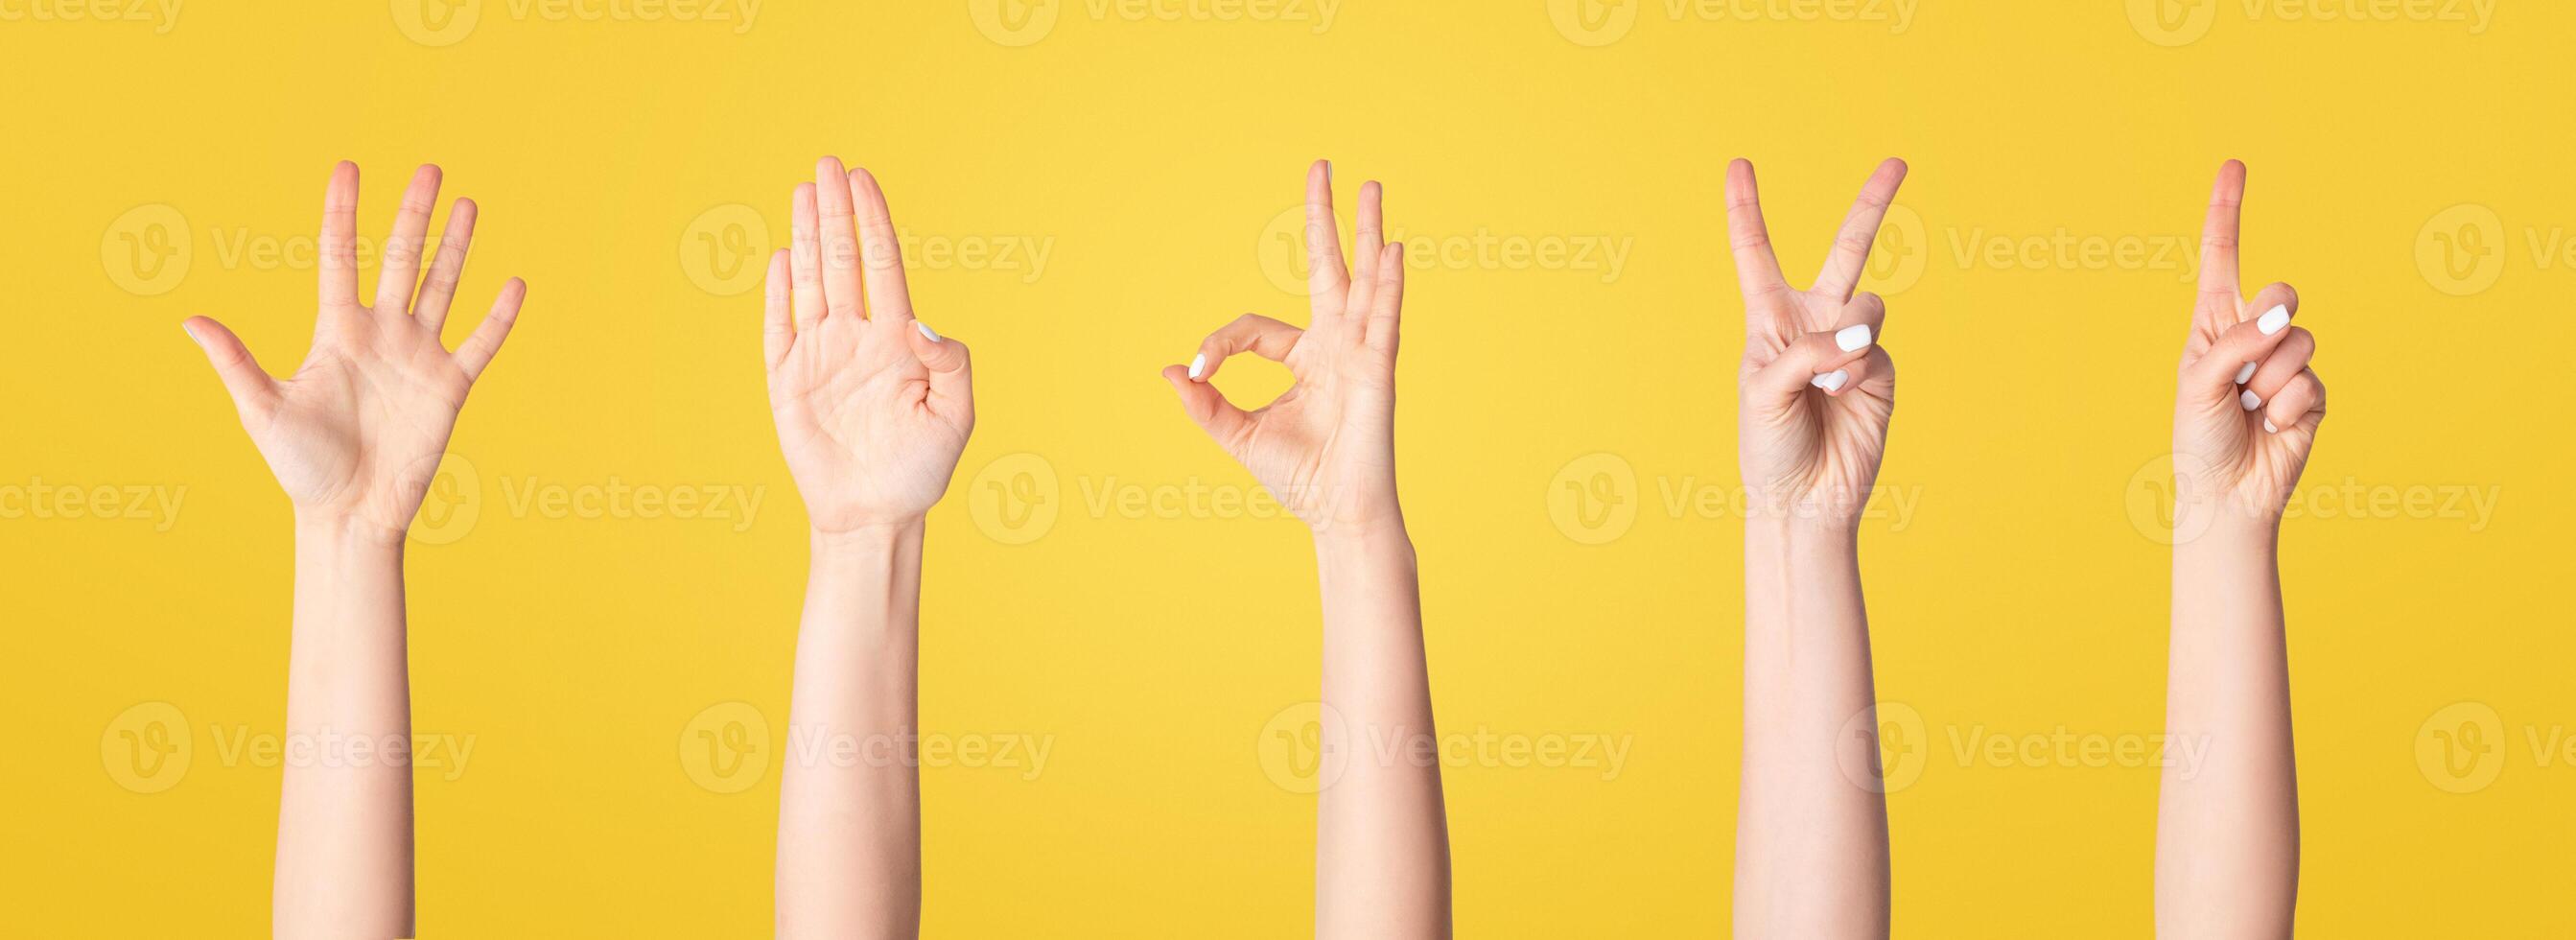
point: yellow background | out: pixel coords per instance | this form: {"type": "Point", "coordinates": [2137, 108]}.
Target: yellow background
{"type": "Point", "coordinates": [2023, 593]}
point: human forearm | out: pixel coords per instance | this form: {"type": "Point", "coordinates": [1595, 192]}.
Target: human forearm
{"type": "Point", "coordinates": [1382, 844]}
{"type": "Point", "coordinates": [1811, 854]}
{"type": "Point", "coordinates": [344, 834]}
{"type": "Point", "coordinates": [2227, 828]}
{"type": "Point", "coordinates": [849, 833]}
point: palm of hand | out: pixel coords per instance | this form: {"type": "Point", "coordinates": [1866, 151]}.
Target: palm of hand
{"type": "Point", "coordinates": [1815, 392]}
{"type": "Point", "coordinates": [356, 435]}
{"type": "Point", "coordinates": [1326, 447]}
{"type": "Point", "coordinates": [854, 421]}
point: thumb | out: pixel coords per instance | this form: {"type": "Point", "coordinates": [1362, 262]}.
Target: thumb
{"type": "Point", "coordinates": [1207, 406]}
{"type": "Point", "coordinates": [252, 389]}
{"type": "Point", "coordinates": [952, 376]}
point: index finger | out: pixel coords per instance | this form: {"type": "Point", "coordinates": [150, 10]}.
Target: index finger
{"type": "Point", "coordinates": [2218, 303]}
{"type": "Point", "coordinates": [1850, 256]}
{"type": "Point", "coordinates": [1757, 270]}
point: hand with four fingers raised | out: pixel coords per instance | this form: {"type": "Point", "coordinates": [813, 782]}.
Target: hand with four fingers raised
{"type": "Point", "coordinates": [1815, 390]}
{"type": "Point", "coordinates": [355, 435]}
{"type": "Point", "coordinates": [873, 406]}
{"type": "Point", "coordinates": [2246, 405]}
{"type": "Point", "coordinates": [1326, 447]}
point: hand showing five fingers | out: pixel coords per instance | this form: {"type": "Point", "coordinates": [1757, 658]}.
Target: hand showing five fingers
{"type": "Point", "coordinates": [2247, 406]}
{"type": "Point", "coordinates": [1815, 390]}
{"type": "Point", "coordinates": [356, 433]}
{"type": "Point", "coordinates": [873, 407]}
{"type": "Point", "coordinates": [1326, 447]}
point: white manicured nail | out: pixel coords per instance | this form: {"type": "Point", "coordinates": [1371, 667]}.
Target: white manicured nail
{"type": "Point", "coordinates": [926, 332]}
{"type": "Point", "coordinates": [2250, 400]}
{"type": "Point", "coordinates": [1852, 337]}
{"type": "Point", "coordinates": [2273, 320]}
{"type": "Point", "coordinates": [1830, 380]}
{"type": "Point", "coordinates": [2268, 428]}
{"type": "Point", "coordinates": [2244, 373]}
{"type": "Point", "coordinates": [1198, 364]}
{"type": "Point", "coordinates": [191, 330]}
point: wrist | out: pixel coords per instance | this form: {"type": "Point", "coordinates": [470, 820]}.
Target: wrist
{"type": "Point", "coordinates": [870, 541]}
{"type": "Point", "coordinates": [328, 528]}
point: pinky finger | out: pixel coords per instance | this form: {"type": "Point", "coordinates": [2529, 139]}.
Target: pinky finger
{"type": "Point", "coordinates": [1859, 375]}
{"type": "Point", "coordinates": [2299, 405]}
{"type": "Point", "coordinates": [777, 323]}
{"type": "Point", "coordinates": [477, 350]}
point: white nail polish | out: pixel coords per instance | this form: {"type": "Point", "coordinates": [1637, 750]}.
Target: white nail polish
{"type": "Point", "coordinates": [2244, 373]}
{"type": "Point", "coordinates": [191, 330]}
{"type": "Point", "coordinates": [2273, 320]}
{"type": "Point", "coordinates": [1198, 364]}
{"type": "Point", "coordinates": [2250, 400]}
{"type": "Point", "coordinates": [1830, 380]}
{"type": "Point", "coordinates": [926, 332]}
{"type": "Point", "coordinates": [2268, 428]}
{"type": "Point", "coordinates": [1852, 337]}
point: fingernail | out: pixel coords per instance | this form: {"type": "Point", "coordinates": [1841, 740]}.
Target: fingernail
{"type": "Point", "coordinates": [2250, 400]}
{"type": "Point", "coordinates": [1830, 380]}
{"type": "Point", "coordinates": [926, 332]}
{"type": "Point", "coordinates": [2244, 373]}
{"type": "Point", "coordinates": [1198, 364]}
{"type": "Point", "coordinates": [1328, 171]}
{"type": "Point", "coordinates": [1852, 337]}
{"type": "Point", "coordinates": [2268, 428]}
{"type": "Point", "coordinates": [2273, 320]}
{"type": "Point", "coordinates": [191, 330]}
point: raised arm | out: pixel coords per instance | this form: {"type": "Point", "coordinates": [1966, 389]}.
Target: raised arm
{"type": "Point", "coordinates": [1815, 393]}
{"type": "Point", "coordinates": [1326, 449]}
{"type": "Point", "coordinates": [873, 409]}
{"type": "Point", "coordinates": [2246, 411]}
{"type": "Point", "coordinates": [355, 438]}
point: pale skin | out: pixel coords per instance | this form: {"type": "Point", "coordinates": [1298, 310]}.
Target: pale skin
{"type": "Point", "coordinates": [1326, 449]}
{"type": "Point", "coordinates": [873, 410]}
{"type": "Point", "coordinates": [2227, 830]}
{"type": "Point", "coordinates": [1815, 392]}
{"type": "Point", "coordinates": [355, 437]}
